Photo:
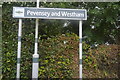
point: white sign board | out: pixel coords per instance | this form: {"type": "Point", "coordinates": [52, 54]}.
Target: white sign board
{"type": "Point", "coordinates": [49, 13]}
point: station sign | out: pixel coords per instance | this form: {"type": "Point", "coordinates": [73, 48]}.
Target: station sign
{"type": "Point", "coordinates": [49, 13]}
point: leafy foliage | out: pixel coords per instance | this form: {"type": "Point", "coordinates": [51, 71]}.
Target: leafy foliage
{"type": "Point", "coordinates": [57, 56]}
{"type": "Point", "coordinates": [102, 62]}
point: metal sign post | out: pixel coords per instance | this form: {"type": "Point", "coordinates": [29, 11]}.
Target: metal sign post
{"type": "Point", "coordinates": [48, 13]}
{"type": "Point", "coordinates": [80, 50]}
{"type": "Point", "coordinates": [19, 49]}
{"type": "Point", "coordinates": [35, 65]}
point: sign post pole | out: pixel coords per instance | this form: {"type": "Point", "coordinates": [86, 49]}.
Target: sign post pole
{"type": "Point", "coordinates": [80, 50]}
{"type": "Point", "coordinates": [19, 49]}
{"type": "Point", "coordinates": [35, 65]}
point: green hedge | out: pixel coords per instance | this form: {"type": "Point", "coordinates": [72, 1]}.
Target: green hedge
{"type": "Point", "coordinates": [56, 58]}
{"type": "Point", "coordinates": [101, 62]}
{"type": "Point", "coordinates": [59, 58]}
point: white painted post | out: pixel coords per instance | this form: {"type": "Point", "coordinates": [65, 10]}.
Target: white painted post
{"type": "Point", "coordinates": [35, 65]}
{"type": "Point", "coordinates": [80, 50]}
{"type": "Point", "coordinates": [19, 49]}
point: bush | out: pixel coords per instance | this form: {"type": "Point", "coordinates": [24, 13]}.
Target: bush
{"type": "Point", "coordinates": [101, 62]}
{"type": "Point", "coordinates": [58, 58]}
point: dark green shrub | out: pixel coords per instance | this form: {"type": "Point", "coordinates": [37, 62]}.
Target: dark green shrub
{"type": "Point", "coordinates": [102, 62]}
{"type": "Point", "coordinates": [58, 57]}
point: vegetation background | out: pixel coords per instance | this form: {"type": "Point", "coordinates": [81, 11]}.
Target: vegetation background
{"type": "Point", "coordinates": [58, 42]}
